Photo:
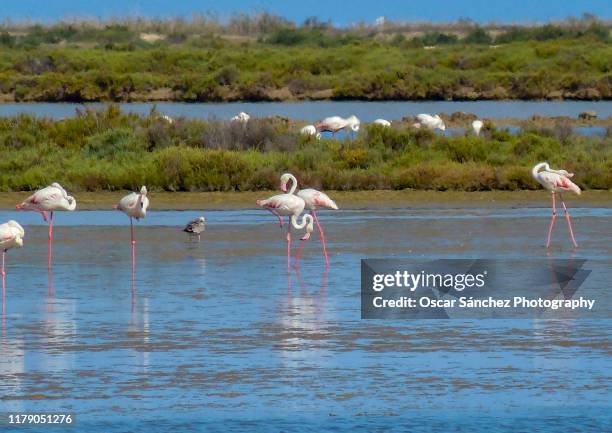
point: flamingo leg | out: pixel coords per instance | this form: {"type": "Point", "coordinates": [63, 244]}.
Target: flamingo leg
{"type": "Point", "coordinates": [316, 218]}
{"type": "Point", "coordinates": [289, 246]}
{"type": "Point", "coordinates": [569, 221]}
{"type": "Point", "coordinates": [299, 253]}
{"type": "Point", "coordinates": [552, 220]}
{"type": "Point", "coordinates": [133, 242]}
{"type": "Point", "coordinates": [3, 277]}
{"type": "Point", "coordinates": [50, 248]}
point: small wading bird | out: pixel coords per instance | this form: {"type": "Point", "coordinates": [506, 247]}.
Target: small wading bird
{"type": "Point", "coordinates": [382, 122]}
{"type": "Point", "coordinates": [134, 205]}
{"type": "Point", "coordinates": [292, 206]}
{"type": "Point", "coordinates": [11, 236]}
{"type": "Point", "coordinates": [557, 182]}
{"type": "Point", "coordinates": [313, 199]}
{"type": "Point", "coordinates": [477, 126]}
{"type": "Point", "coordinates": [195, 227]}
{"type": "Point", "coordinates": [430, 122]}
{"type": "Point", "coordinates": [336, 123]}
{"type": "Point", "coordinates": [241, 117]}
{"type": "Point", "coordinates": [49, 199]}
{"type": "Point", "coordinates": [310, 130]}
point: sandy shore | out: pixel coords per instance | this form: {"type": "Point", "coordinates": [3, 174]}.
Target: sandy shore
{"type": "Point", "coordinates": [345, 199]}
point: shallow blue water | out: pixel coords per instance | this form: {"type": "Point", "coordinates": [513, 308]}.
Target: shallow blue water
{"type": "Point", "coordinates": [315, 110]}
{"type": "Point", "coordinates": [216, 336]}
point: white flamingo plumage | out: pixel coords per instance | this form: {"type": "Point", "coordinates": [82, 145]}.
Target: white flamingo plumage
{"type": "Point", "coordinates": [241, 117]}
{"type": "Point", "coordinates": [382, 122]}
{"type": "Point", "coordinates": [11, 236]}
{"type": "Point", "coordinates": [49, 199]}
{"type": "Point", "coordinates": [431, 122]}
{"type": "Point", "coordinates": [336, 123]}
{"type": "Point", "coordinates": [310, 130]}
{"type": "Point", "coordinates": [292, 206]}
{"type": "Point", "coordinates": [477, 126]}
{"type": "Point", "coordinates": [556, 182]}
{"type": "Point", "coordinates": [313, 200]}
{"type": "Point", "coordinates": [134, 205]}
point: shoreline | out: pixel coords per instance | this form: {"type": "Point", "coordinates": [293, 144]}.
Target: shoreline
{"type": "Point", "coordinates": [375, 199]}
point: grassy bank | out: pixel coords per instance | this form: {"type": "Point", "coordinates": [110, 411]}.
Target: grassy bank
{"type": "Point", "coordinates": [271, 59]}
{"type": "Point", "coordinates": [111, 150]}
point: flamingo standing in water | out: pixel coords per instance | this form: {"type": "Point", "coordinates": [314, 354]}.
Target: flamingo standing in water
{"type": "Point", "coordinates": [557, 182]}
{"type": "Point", "coordinates": [431, 122]}
{"type": "Point", "coordinates": [292, 206]}
{"type": "Point", "coordinates": [336, 123]}
{"type": "Point", "coordinates": [11, 236]}
{"type": "Point", "coordinates": [313, 199]}
{"type": "Point", "coordinates": [49, 199]}
{"type": "Point", "coordinates": [134, 205]}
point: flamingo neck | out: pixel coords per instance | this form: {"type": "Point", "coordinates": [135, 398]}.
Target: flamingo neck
{"type": "Point", "coordinates": [306, 219]}
{"type": "Point", "coordinates": [294, 184]}
{"type": "Point", "coordinates": [536, 169]}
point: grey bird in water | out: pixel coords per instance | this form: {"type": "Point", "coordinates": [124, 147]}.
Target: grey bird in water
{"type": "Point", "coordinates": [196, 227]}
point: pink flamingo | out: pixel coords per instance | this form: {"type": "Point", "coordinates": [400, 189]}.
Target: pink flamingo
{"type": "Point", "coordinates": [11, 236]}
{"type": "Point", "coordinates": [134, 205]}
{"type": "Point", "coordinates": [49, 199]}
{"type": "Point", "coordinates": [313, 199]}
{"type": "Point", "coordinates": [556, 181]}
{"type": "Point", "coordinates": [336, 123]}
{"type": "Point", "coordinates": [292, 206]}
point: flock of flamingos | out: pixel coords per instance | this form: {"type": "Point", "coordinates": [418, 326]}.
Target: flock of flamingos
{"type": "Point", "coordinates": [292, 203]}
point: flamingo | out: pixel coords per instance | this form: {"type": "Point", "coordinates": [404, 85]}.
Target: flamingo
{"type": "Point", "coordinates": [168, 119]}
{"type": "Point", "coordinates": [49, 199]}
{"type": "Point", "coordinates": [11, 236]}
{"type": "Point", "coordinates": [134, 205]}
{"type": "Point", "coordinates": [313, 199]}
{"type": "Point", "coordinates": [196, 227]}
{"type": "Point", "coordinates": [336, 123]}
{"type": "Point", "coordinates": [310, 130]}
{"type": "Point", "coordinates": [431, 122]}
{"type": "Point", "coordinates": [382, 122]}
{"type": "Point", "coordinates": [556, 181]}
{"type": "Point", "coordinates": [292, 206]}
{"type": "Point", "coordinates": [477, 126]}
{"type": "Point", "coordinates": [241, 117]}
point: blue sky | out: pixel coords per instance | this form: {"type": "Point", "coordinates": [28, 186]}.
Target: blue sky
{"type": "Point", "coordinates": [340, 12]}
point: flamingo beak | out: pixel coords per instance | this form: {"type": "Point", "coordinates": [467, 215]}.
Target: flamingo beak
{"type": "Point", "coordinates": [305, 237]}
{"type": "Point", "coordinates": [283, 187]}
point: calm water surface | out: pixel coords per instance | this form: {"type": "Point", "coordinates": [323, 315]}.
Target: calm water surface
{"type": "Point", "coordinates": [314, 110]}
{"type": "Point", "coordinates": [217, 336]}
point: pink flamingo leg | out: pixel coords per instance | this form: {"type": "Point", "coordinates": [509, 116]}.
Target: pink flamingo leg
{"type": "Point", "coordinates": [552, 220]}
{"type": "Point", "coordinates": [289, 246]}
{"type": "Point", "coordinates": [133, 242]}
{"type": "Point", "coordinates": [50, 248]}
{"type": "Point", "coordinates": [299, 253]}
{"type": "Point", "coordinates": [569, 222]}
{"type": "Point", "coordinates": [316, 218]}
{"type": "Point", "coordinates": [3, 280]}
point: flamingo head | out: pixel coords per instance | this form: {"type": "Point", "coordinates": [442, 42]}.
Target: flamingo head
{"type": "Point", "coordinates": [143, 190]}
{"type": "Point", "coordinates": [318, 135]}
{"type": "Point", "coordinates": [202, 219]}
{"type": "Point", "coordinates": [19, 241]}
{"type": "Point", "coordinates": [354, 123]}
{"type": "Point", "coordinates": [285, 178]}
{"type": "Point", "coordinates": [309, 227]}
{"type": "Point", "coordinates": [566, 173]}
